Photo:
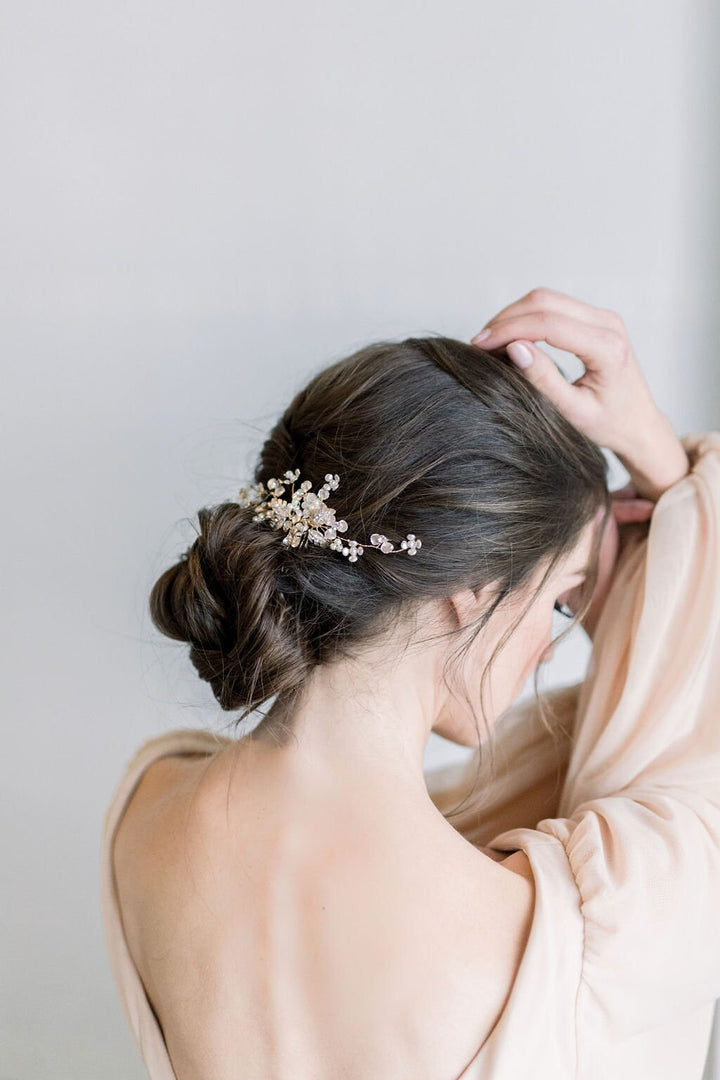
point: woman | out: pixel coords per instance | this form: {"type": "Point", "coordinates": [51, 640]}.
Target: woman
{"type": "Point", "coordinates": [302, 902]}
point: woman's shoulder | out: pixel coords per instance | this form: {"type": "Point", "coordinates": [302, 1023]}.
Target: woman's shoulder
{"type": "Point", "coordinates": [158, 781]}
{"type": "Point", "coordinates": [152, 773]}
{"type": "Point", "coordinates": [176, 742]}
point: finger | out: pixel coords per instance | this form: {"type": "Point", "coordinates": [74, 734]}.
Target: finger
{"type": "Point", "coordinates": [626, 511]}
{"type": "Point", "coordinates": [594, 345]}
{"type": "Point", "coordinates": [543, 299]}
{"type": "Point", "coordinates": [544, 373]}
{"type": "Point", "coordinates": [628, 492]}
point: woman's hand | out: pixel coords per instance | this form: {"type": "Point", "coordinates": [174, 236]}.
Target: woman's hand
{"type": "Point", "coordinates": [611, 402]}
{"type": "Point", "coordinates": [627, 510]}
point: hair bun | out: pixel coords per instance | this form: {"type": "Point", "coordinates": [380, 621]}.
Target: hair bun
{"type": "Point", "coordinates": [222, 598]}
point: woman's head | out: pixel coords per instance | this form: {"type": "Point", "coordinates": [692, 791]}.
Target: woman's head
{"type": "Point", "coordinates": [428, 436]}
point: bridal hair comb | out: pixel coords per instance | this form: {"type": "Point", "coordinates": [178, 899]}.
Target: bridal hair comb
{"type": "Point", "coordinates": [306, 517]}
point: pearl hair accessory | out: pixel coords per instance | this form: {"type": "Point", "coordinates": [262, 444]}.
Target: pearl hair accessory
{"type": "Point", "coordinates": [306, 517]}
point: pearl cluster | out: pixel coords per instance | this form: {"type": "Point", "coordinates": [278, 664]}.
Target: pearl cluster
{"type": "Point", "coordinates": [306, 517]}
{"type": "Point", "coordinates": [411, 544]}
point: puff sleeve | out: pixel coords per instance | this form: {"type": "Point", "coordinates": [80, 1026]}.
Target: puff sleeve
{"type": "Point", "coordinates": [639, 812]}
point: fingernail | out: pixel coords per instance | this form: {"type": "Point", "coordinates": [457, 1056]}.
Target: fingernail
{"type": "Point", "coordinates": [482, 335]}
{"type": "Point", "coordinates": [519, 354]}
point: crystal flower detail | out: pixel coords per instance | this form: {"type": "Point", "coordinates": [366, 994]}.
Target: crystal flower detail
{"type": "Point", "coordinates": [306, 518]}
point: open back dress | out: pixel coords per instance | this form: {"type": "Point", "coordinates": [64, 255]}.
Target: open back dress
{"type": "Point", "coordinates": [618, 814]}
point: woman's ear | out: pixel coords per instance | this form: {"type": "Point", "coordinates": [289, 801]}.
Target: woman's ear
{"type": "Point", "coordinates": [467, 606]}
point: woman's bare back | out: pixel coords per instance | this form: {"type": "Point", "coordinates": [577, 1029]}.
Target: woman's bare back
{"type": "Point", "coordinates": [325, 942]}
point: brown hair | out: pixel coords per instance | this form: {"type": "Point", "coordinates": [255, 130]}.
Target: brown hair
{"type": "Point", "coordinates": [428, 435]}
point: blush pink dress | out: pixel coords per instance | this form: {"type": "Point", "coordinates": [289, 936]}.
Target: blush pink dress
{"type": "Point", "coordinates": [619, 816]}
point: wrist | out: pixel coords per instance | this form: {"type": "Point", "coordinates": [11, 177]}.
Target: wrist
{"type": "Point", "coordinates": [659, 463]}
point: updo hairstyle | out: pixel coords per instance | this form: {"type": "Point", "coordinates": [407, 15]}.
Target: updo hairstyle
{"type": "Point", "coordinates": [428, 435]}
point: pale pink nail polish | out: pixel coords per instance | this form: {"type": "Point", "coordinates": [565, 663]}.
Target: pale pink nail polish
{"type": "Point", "coordinates": [519, 354]}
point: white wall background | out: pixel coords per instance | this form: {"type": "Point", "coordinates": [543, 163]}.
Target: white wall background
{"type": "Point", "coordinates": [203, 204]}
